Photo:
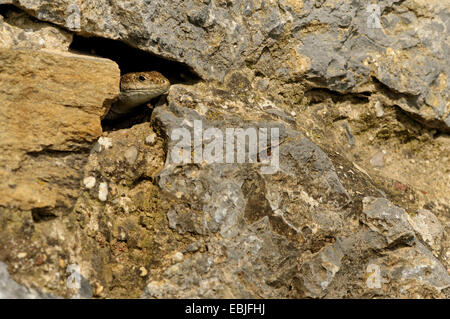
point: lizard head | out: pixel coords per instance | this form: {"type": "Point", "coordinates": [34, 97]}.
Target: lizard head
{"type": "Point", "coordinates": [136, 89]}
{"type": "Point", "coordinates": [151, 83]}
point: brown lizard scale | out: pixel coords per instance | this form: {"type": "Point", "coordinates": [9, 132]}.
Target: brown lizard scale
{"type": "Point", "coordinates": [136, 89]}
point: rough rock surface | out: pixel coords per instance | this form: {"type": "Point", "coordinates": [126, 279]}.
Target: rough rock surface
{"type": "Point", "coordinates": [227, 230]}
{"type": "Point", "coordinates": [408, 55]}
{"type": "Point", "coordinates": [20, 31]}
{"type": "Point", "coordinates": [357, 207]}
{"type": "Point", "coordinates": [50, 109]}
{"type": "Point", "coordinates": [9, 289]}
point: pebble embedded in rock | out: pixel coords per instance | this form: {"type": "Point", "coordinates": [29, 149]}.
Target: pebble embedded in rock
{"type": "Point", "coordinates": [379, 109]}
{"type": "Point", "coordinates": [178, 257]}
{"type": "Point", "coordinates": [122, 235]}
{"type": "Point", "coordinates": [131, 154]}
{"type": "Point", "coordinates": [262, 84]}
{"type": "Point", "coordinates": [377, 160]}
{"type": "Point", "coordinates": [105, 143]}
{"type": "Point", "coordinates": [89, 182]}
{"type": "Point", "coordinates": [143, 272]}
{"type": "Point", "coordinates": [103, 191]}
{"type": "Point", "coordinates": [351, 138]}
{"type": "Point", "coordinates": [150, 139]}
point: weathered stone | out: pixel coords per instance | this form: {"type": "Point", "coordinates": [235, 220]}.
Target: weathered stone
{"type": "Point", "coordinates": [317, 274]}
{"type": "Point", "coordinates": [403, 270]}
{"type": "Point", "coordinates": [388, 220]}
{"type": "Point", "coordinates": [9, 289]}
{"type": "Point", "coordinates": [124, 220]}
{"type": "Point", "coordinates": [406, 50]}
{"type": "Point", "coordinates": [216, 205]}
{"type": "Point", "coordinates": [426, 224]}
{"type": "Point", "coordinates": [410, 272]}
{"type": "Point", "coordinates": [377, 159]}
{"type": "Point", "coordinates": [50, 110]}
{"type": "Point", "coordinates": [51, 106]}
{"type": "Point", "coordinates": [19, 31]}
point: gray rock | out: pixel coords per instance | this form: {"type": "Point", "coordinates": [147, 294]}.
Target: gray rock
{"type": "Point", "coordinates": [426, 224]}
{"type": "Point", "coordinates": [388, 220]}
{"type": "Point", "coordinates": [131, 154]}
{"type": "Point", "coordinates": [377, 159]}
{"type": "Point", "coordinates": [318, 273]}
{"type": "Point", "coordinates": [10, 289]}
{"type": "Point", "coordinates": [246, 229]}
{"type": "Point", "coordinates": [410, 62]}
{"type": "Point", "coordinates": [415, 270]}
{"type": "Point", "coordinates": [406, 268]}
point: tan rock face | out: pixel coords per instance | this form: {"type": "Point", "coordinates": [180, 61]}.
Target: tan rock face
{"type": "Point", "coordinates": [50, 105]}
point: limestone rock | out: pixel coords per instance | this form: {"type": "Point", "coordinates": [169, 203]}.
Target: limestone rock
{"type": "Point", "coordinates": [298, 211]}
{"type": "Point", "coordinates": [426, 224]}
{"type": "Point", "coordinates": [377, 159]}
{"type": "Point", "coordinates": [19, 31]}
{"type": "Point", "coordinates": [9, 289]}
{"type": "Point", "coordinates": [390, 221]}
{"type": "Point", "coordinates": [404, 48]}
{"type": "Point", "coordinates": [414, 272]}
{"type": "Point", "coordinates": [211, 203]}
{"type": "Point", "coordinates": [407, 269]}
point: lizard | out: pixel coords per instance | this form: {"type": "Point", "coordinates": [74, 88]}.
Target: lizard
{"type": "Point", "coordinates": [136, 89]}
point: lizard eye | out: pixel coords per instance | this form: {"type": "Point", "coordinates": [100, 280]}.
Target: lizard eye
{"type": "Point", "coordinates": [141, 78]}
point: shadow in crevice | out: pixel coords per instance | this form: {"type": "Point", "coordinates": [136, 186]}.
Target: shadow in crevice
{"type": "Point", "coordinates": [131, 59]}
